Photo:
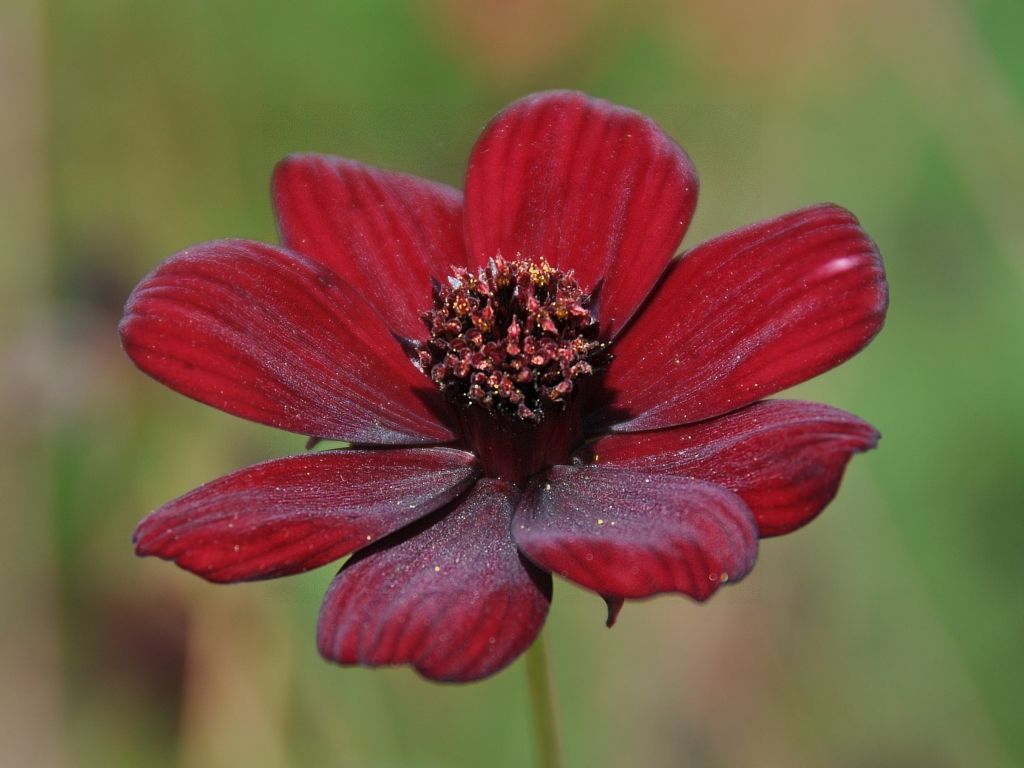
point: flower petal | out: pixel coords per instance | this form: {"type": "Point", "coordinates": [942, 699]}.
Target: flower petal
{"type": "Point", "coordinates": [293, 514]}
{"type": "Point", "coordinates": [630, 534]}
{"type": "Point", "coordinates": [271, 336]}
{"type": "Point", "coordinates": [384, 233]}
{"type": "Point", "coordinates": [450, 595]}
{"type": "Point", "coordinates": [784, 458]}
{"type": "Point", "coordinates": [587, 185]}
{"type": "Point", "coordinates": [744, 316]}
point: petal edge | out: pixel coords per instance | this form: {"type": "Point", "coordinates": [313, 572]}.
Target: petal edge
{"type": "Point", "coordinates": [293, 514]}
{"type": "Point", "coordinates": [784, 458]}
{"type": "Point", "coordinates": [586, 184]}
{"type": "Point", "coordinates": [385, 233]}
{"type": "Point", "coordinates": [628, 534]}
{"type": "Point", "coordinates": [450, 595]}
{"type": "Point", "coordinates": [746, 315]}
{"type": "Point", "coordinates": [270, 336]}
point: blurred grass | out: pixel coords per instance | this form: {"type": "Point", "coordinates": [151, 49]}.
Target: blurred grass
{"type": "Point", "coordinates": [887, 633]}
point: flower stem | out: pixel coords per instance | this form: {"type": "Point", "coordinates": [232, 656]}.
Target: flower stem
{"type": "Point", "coordinates": [539, 683]}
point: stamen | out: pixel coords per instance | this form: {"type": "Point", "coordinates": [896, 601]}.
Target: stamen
{"type": "Point", "coordinates": [511, 338]}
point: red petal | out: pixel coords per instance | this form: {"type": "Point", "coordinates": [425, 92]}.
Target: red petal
{"type": "Point", "coordinates": [629, 534]}
{"type": "Point", "coordinates": [276, 338]}
{"type": "Point", "coordinates": [384, 233]}
{"type": "Point", "coordinates": [784, 458]}
{"type": "Point", "coordinates": [587, 185]}
{"type": "Point", "coordinates": [293, 514]}
{"type": "Point", "coordinates": [744, 316]}
{"type": "Point", "coordinates": [450, 595]}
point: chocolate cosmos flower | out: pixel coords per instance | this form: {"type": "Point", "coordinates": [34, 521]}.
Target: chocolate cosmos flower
{"type": "Point", "coordinates": [529, 381]}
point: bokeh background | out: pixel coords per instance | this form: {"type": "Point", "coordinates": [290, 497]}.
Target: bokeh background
{"type": "Point", "coordinates": [890, 632]}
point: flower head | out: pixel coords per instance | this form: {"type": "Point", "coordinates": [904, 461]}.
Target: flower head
{"type": "Point", "coordinates": [531, 383]}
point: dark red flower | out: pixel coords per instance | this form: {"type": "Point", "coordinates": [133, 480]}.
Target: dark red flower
{"type": "Point", "coordinates": [530, 382]}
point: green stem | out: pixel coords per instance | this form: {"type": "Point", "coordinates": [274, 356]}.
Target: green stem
{"type": "Point", "coordinates": [539, 684]}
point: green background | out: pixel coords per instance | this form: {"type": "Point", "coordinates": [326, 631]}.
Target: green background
{"type": "Point", "coordinates": [888, 633]}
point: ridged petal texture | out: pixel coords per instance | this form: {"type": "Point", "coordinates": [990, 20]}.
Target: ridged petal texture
{"type": "Point", "coordinates": [274, 337]}
{"type": "Point", "coordinates": [628, 534]}
{"type": "Point", "coordinates": [386, 234]}
{"type": "Point", "coordinates": [293, 514]}
{"type": "Point", "coordinates": [588, 186]}
{"type": "Point", "coordinates": [450, 595]}
{"type": "Point", "coordinates": [666, 472]}
{"type": "Point", "coordinates": [743, 316]}
{"type": "Point", "coordinates": [784, 458]}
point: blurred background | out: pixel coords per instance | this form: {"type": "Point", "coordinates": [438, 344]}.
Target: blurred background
{"type": "Point", "coordinates": [890, 632]}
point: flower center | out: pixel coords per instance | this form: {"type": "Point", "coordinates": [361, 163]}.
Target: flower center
{"type": "Point", "coordinates": [513, 339]}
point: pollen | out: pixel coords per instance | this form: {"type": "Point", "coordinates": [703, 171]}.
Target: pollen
{"type": "Point", "coordinates": [514, 338]}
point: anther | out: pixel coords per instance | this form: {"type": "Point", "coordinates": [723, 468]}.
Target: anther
{"type": "Point", "coordinates": [511, 338]}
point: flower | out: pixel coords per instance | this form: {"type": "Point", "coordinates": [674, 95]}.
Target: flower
{"type": "Point", "coordinates": [530, 382]}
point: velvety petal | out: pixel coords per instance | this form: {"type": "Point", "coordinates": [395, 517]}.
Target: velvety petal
{"type": "Point", "coordinates": [272, 336]}
{"type": "Point", "coordinates": [450, 595]}
{"type": "Point", "coordinates": [744, 316]}
{"type": "Point", "coordinates": [784, 458]}
{"type": "Point", "coordinates": [293, 514]}
{"type": "Point", "coordinates": [589, 186]}
{"type": "Point", "coordinates": [632, 534]}
{"type": "Point", "coordinates": [385, 233]}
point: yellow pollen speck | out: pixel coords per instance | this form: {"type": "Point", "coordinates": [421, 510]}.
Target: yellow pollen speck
{"type": "Point", "coordinates": [539, 273]}
{"type": "Point", "coordinates": [600, 521]}
{"type": "Point", "coordinates": [724, 577]}
{"type": "Point", "coordinates": [597, 457]}
{"type": "Point", "coordinates": [547, 486]}
{"type": "Point", "coordinates": [437, 569]}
